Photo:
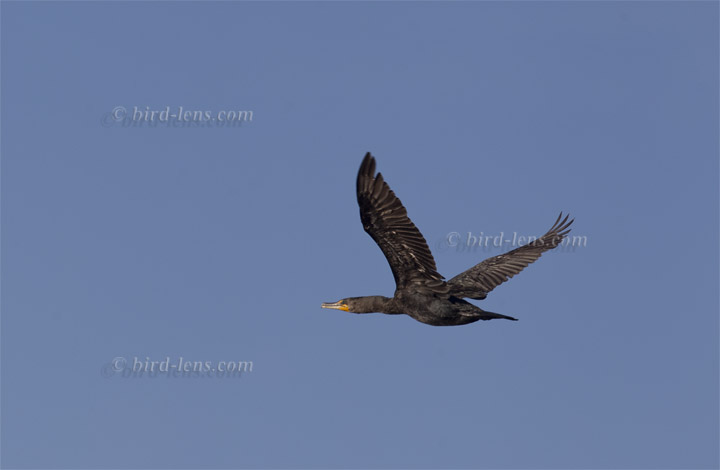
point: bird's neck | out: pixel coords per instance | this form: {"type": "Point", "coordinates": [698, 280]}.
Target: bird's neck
{"type": "Point", "coordinates": [376, 304]}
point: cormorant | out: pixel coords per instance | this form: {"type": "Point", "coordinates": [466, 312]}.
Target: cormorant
{"type": "Point", "coordinates": [421, 292]}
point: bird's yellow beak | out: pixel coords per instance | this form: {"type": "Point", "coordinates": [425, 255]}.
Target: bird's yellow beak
{"type": "Point", "coordinates": [339, 305]}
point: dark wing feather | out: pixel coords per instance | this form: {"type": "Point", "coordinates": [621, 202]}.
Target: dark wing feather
{"type": "Point", "coordinates": [386, 221]}
{"type": "Point", "coordinates": [476, 282]}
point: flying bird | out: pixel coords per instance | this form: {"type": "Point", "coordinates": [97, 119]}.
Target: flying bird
{"type": "Point", "coordinates": [421, 292]}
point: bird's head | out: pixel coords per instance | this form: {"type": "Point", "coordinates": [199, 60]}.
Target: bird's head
{"type": "Point", "coordinates": [373, 303]}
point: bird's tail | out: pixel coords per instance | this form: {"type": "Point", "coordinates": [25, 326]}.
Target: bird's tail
{"type": "Point", "coordinates": [492, 316]}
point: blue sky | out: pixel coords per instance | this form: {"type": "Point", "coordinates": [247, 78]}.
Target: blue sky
{"type": "Point", "coordinates": [219, 243]}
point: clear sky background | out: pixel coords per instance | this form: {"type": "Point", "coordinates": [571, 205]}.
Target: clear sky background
{"type": "Point", "coordinates": [219, 244]}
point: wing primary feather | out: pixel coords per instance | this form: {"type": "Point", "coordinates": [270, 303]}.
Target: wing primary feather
{"type": "Point", "coordinates": [385, 219]}
{"type": "Point", "coordinates": [478, 281]}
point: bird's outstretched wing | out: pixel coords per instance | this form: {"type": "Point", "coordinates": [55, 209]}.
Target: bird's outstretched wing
{"type": "Point", "coordinates": [476, 282]}
{"type": "Point", "coordinates": [386, 221]}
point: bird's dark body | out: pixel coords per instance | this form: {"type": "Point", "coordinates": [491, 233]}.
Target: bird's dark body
{"type": "Point", "coordinates": [442, 311]}
{"type": "Point", "coordinates": [421, 292]}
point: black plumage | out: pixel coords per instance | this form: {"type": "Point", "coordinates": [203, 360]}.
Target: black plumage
{"type": "Point", "coordinates": [421, 292]}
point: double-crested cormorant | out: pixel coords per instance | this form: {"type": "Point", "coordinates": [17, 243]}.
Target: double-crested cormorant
{"type": "Point", "coordinates": [421, 291]}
